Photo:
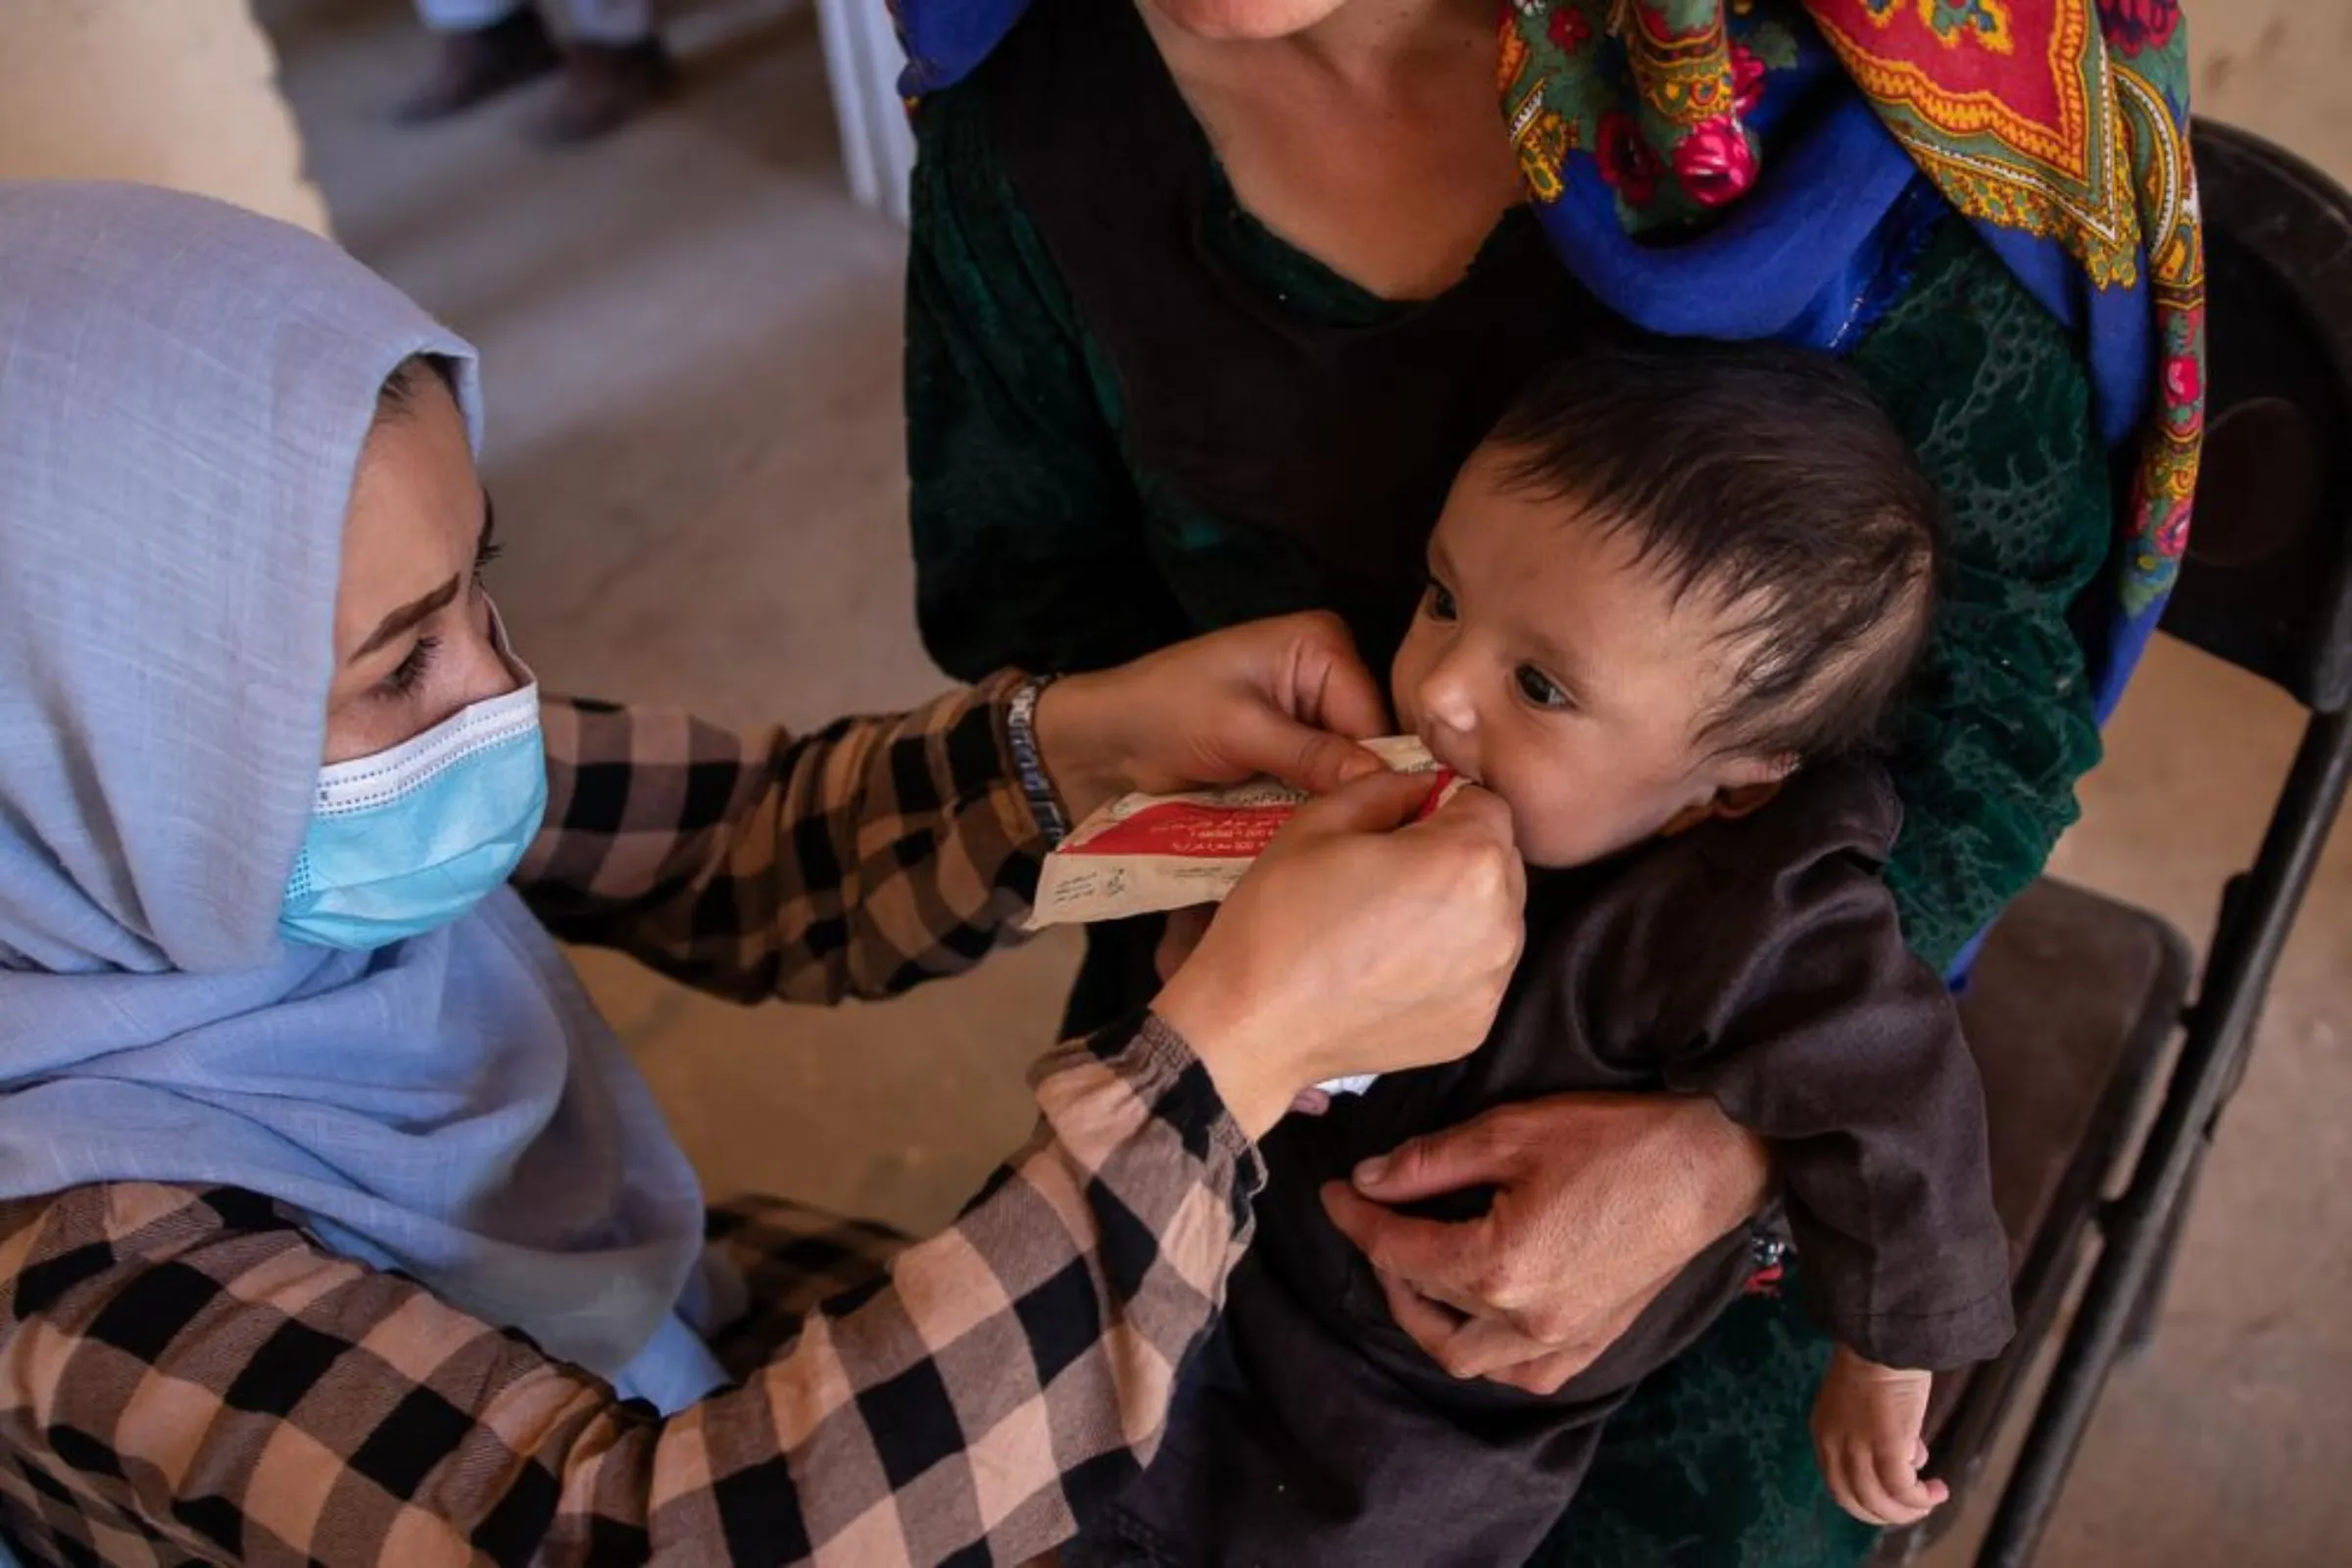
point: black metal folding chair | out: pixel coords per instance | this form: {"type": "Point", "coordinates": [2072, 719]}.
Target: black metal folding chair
{"type": "Point", "coordinates": [2077, 996]}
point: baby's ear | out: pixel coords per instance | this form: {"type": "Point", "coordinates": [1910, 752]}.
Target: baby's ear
{"type": "Point", "coordinates": [1748, 783]}
{"type": "Point", "coordinates": [1738, 799]}
{"type": "Point", "coordinates": [1742, 784]}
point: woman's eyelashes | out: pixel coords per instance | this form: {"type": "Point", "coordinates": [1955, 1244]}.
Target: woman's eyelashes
{"type": "Point", "coordinates": [1439, 600]}
{"type": "Point", "coordinates": [408, 675]}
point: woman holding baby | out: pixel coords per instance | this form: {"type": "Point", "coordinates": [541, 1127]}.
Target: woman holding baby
{"type": "Point", "coordinates": [1209, 300]}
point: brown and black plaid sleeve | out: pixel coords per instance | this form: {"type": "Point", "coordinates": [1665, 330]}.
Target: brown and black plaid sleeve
{"type": "Point", "coordinates": [857, 860]}
{"type": "Point", "coordinates": [186, 1376]}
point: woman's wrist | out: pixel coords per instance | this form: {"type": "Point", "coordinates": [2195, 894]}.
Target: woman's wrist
{"type": "Point", "coordinates": [1077, 748]}
{"type": "Point", "coordinates": [1247, 1077]}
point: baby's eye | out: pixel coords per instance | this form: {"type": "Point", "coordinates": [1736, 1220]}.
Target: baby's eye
{"type": "Point", "coordinates": [1539, 688]}
{"type": "Point", "coordinates": [1440, 602]}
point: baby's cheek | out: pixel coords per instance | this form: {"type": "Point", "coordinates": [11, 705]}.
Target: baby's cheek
{"type": "Point", "coordinates": [1548, 847]}
{"type": "Point", "coordinates": [1550, 829]}
{"type": "Point", "coordinates": [1573, 819]}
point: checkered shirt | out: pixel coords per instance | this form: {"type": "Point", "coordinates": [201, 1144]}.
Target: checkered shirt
{"type": "Point", "coordinates": [186, 1375]}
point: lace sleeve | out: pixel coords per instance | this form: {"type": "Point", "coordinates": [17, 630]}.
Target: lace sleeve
{"type": "Point", "coordinates": [1992, 394]}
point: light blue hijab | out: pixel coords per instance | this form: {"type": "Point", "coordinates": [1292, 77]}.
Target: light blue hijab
{"type": "Point", "coordinates": [184, 391]}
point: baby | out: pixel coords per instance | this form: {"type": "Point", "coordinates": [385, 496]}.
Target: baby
{"type": "Point", "coordinates": [1670, 602]}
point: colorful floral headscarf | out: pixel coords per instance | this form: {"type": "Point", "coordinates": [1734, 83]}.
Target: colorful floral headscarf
{"type": "Point", "coordinates": [2060, 127]}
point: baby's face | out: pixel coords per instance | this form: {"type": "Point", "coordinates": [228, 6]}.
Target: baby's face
{"type": "Point", "coordinates": [1548, 664]}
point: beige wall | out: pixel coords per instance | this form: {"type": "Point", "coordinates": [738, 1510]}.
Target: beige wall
{"type": "Point", "coordinates": [2277, 67]}
{"type": "Point", "coordinates": [173, 92]}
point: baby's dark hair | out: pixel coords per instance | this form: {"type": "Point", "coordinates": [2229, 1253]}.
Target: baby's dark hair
{"type": "Point", "coordinates": [1769, 478]}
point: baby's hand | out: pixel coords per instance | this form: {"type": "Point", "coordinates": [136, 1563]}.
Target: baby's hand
{"type": "Point", "coordinates": [1867, 1426]}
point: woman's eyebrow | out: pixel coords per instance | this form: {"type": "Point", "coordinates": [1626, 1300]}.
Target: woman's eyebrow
{"type": "Point", "coordinates": [407, 617]}
{"type": "Point", "coordinates": [424, 608]}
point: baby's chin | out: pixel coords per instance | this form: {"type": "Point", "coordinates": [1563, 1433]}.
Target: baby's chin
{"type": "Point", "coordinates": [1563, 847]}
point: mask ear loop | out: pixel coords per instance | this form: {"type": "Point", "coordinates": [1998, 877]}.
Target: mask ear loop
{"type": "Point", "coordinates": [522, 673]}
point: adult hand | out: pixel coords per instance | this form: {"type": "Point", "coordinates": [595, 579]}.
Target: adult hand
{"type": "Point", "coordinates": [1599, 1202]}
{"type": "Point", "coordinates": [1177, 939]}
{"type": "Point", "coordinates": [1287, 697]}
{"type": "Point", "coordinates": [1354, 943]}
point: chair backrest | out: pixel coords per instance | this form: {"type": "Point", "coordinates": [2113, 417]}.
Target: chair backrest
{"type": "Point", "coordinates": [2268, 582]}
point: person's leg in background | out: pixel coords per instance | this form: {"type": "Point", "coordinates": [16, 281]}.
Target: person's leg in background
{"type": "Point", "coordinates": [615, 68]}
{"type": "Point", "coordinates": [614, 62]}
{"type": "Point", "coordinates": [487, 47]}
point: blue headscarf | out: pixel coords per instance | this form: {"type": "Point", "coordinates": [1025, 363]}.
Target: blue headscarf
{"type": "Point", "coordinates": [185, 392]}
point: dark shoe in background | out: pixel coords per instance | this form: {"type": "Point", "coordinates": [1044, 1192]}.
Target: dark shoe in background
{"type": "Point", "coordinates": [480, 65]}
{"type": "Point", "coordinates": [605, 86]}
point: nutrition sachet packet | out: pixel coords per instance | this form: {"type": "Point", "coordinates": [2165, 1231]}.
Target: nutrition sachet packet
{"type": "Point", "coordinates": [1147, 854]}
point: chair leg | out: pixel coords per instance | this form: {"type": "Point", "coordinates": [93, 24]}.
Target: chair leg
{"type": "Point", "coordinates": [2085, 1356]}
{"type": "Point", "coordinates": [2139, 1331]}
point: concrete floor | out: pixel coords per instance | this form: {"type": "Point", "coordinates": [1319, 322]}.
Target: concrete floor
{"type": "Point", "coordinates": [691, 337]}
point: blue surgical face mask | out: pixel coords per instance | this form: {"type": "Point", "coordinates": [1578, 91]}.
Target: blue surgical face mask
{"type": "Point", "coordinates": [410, 839]}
